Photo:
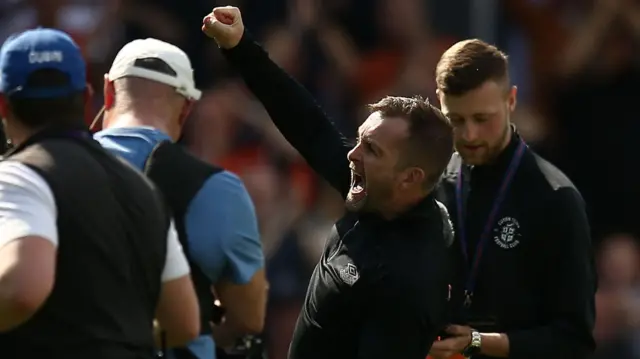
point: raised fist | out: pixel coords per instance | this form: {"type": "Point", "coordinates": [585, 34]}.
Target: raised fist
{"type": "Point", "coordinates": [224, 24]}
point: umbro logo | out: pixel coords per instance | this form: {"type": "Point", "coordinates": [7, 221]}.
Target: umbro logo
{"type": "Point", "coordinates": [349, 274]}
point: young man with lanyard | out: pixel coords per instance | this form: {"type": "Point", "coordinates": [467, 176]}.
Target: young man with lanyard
{"type": "Point", "coordinates": [525, 283]}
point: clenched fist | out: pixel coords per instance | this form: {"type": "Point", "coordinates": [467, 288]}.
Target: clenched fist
{"type": "Point", "coordinates": [224, 24]}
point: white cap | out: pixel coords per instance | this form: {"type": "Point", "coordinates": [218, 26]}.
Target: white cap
{"type": "Point", "coordinates": [125, 65]}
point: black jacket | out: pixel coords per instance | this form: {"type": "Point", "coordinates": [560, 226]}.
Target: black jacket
{"type": "Point", "coordinates": [381, 287]}
{"type": "Point", "coordinates": [536, 277]}
{"type": "Point", "coordinates": [112, 229]}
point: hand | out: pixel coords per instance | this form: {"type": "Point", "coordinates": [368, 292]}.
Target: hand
{"type": "Point", "coordinates": [459, 340]}
{"type": "Point", "coordinates": [224, 24]}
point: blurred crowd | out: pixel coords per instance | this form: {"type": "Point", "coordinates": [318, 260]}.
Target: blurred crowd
{"type": "Point", "coordinates": [575, 63]}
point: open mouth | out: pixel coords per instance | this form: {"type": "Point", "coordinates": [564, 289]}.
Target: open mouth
{"type": "Point", "coordinates": [357, 183]}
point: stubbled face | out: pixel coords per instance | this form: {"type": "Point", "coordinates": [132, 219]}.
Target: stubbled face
{"type": "Point", "coordinates": [374, 175]}
{"type": "Point", "coordinates": [481, 119]}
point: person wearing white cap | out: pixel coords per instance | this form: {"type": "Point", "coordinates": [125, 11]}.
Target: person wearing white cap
{"type": "Point", "coordinates": [149, 92]}
{"type": "Point", "coordinates": [178, 74]}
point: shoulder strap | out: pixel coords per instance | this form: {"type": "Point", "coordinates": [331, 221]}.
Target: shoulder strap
{"type": "Point", "coordinates": [179, 175]}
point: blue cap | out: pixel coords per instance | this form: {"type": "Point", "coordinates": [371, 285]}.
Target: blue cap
{"type": "Point", "coordinates": [38, 49]}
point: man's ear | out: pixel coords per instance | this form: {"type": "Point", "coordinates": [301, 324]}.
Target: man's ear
{"type": "Point", "coordinates": [186, 111]}
{"type": "Point", "coordinates": [414, 175]}
{"type": "Point", "coordinates": [109, 93]}
{"type": "Point", "coordinates": [513, 98]}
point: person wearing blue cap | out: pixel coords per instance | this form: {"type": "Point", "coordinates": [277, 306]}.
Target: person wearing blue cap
{"type": "Point", "coordinates": [89, 256]}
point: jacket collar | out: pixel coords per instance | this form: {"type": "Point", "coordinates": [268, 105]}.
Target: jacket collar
{"type": "Point", "coordinates": [421, 210]}
{"type": "Point", "coordinates": [501, 162]}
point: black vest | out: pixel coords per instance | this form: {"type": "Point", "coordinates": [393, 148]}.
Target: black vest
{"type": "Point", "coordinates": [180, 175]}
{"type": "Point", "coordinates": [112, 228]}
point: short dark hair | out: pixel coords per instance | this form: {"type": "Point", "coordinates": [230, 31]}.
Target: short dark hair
{"type": "Point", "coordinates": [37, 112]}
{"type": "Point", "coordinates": [430, 142]}
{"type": "Point", "coordinates": [468, 64]}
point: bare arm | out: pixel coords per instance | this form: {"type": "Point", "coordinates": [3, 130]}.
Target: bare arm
{"type": "Point", "coordinates": [178, 313]}
{"type": "Point", "coordinates": [27, 271]}
{"type": "Point", "coordinates": [28, 242]}
{"type": "Point", "coordinates": [245, 308]}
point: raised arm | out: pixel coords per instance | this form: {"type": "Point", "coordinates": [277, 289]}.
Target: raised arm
{"type": "Point", "coordinates": [291, 107]}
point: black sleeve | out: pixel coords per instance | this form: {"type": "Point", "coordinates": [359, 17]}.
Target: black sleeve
{"type": "Point", "coordinates": [295, 112]}
{"type": "Point", "coordinates": [569, 295]}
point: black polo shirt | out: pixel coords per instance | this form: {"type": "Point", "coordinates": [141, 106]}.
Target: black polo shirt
{"type": "Point", "coordinates": [380, 289]}
{"type": "Point", "coordinates": [535, 279]}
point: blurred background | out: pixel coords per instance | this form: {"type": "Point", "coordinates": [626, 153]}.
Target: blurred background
{"type": "Point", "coordinates": [575, 63]}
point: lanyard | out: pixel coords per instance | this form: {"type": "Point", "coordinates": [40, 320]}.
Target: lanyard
{"type": "Point", "coordinates": [495, 209]}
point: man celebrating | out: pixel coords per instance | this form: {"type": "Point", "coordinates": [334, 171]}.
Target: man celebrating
{"type": "Point", "coordinates": [149, 92]}
{"type": "Point", "coordinates": [525, 285]}
{"type": "Point", "coordinates": [380, 289]}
